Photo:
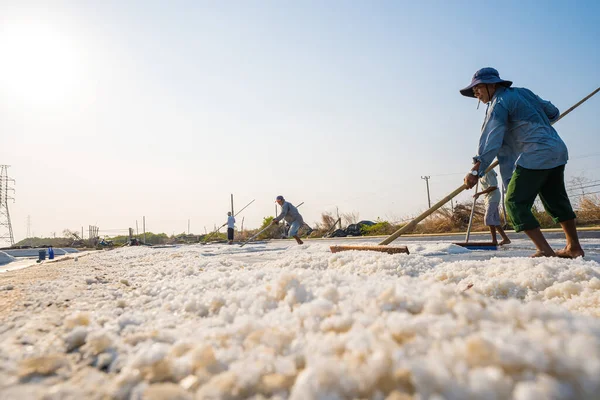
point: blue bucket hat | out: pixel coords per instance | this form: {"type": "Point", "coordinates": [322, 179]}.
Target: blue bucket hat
{"type": "Point", "coordinates": [484, 75]}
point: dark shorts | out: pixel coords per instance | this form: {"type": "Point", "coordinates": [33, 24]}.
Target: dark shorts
{"type": "Point", "coordinates": [525, 184]}
{"type": "Point", "coordinates": [229, 233]}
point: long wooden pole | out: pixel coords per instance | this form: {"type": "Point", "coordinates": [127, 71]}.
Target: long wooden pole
{"type": "Point", "coordinates": [255, 235]}
{"type": "Point", "coordinates": [471, 216]}
{"type": "Point", "coordinates": [237, 213]}
{"type": "Point", "coordinates": [577, 105]}
{"type": "Point", "coordinates": [410, 226]}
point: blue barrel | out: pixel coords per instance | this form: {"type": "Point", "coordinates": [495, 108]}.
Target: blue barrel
{"type": "Point", "coordinates": [50, 253]}
{"type": "Point", "coordinates": [42, 254]}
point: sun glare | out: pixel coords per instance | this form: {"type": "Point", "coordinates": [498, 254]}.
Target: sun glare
{"type": "Point", "coordinates": [39, 63]}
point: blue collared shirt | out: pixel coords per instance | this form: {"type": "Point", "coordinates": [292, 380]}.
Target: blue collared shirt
{"type": "Point", "coordinates": [517, 130]}
{"type": "Point", "coordinates": [289, 213]}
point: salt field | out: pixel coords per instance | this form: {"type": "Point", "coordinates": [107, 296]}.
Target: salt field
{"type": "Point", "coordinates": [277, 320]}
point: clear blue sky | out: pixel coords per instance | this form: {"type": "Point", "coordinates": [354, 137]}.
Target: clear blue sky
{"type": "Point", "coordinates": [112, 110]}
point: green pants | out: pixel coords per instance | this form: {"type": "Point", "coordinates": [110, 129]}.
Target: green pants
{"type": "Point", "coordinates": [525, 184]}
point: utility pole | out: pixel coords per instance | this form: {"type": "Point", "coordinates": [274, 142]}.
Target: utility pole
{"type": "Point", "coordinates": [188, 226]}
{"type": "Point", "coordinates": [6, 232]}
{"type": "Point", "coordinates": [144, 227]}
{"type": "Point", "coordinates": [427, 182]}
{"type": "Point", "coordinates": [29, 230]}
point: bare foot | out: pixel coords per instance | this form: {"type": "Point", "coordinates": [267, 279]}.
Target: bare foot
{"type": "Point", "coordinates": [570, 252]}
{"type": "Point", "coordinates": [495, 243]}
{"type": "Point", "coordinates": [542, 254]}
{"type": "Point", "coordinates": [505, 241]}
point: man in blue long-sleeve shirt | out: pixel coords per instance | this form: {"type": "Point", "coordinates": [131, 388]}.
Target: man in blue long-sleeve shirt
{"type": "Point", "coordinates": [290, 214]}
{"type": "Point", "coordinates": [517, 129]}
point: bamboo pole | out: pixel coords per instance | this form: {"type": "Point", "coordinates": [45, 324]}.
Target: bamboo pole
{"type": "Point", "coordinates": [256, 235]}
{"type": "Point", "coordinates": [408, 227]}
{"type": "Point", "coordinates": [576, 105]}
{"type": "Point", "coordinates": [243, 208]}
{"type": "Point", "coordinates": [471, 216]}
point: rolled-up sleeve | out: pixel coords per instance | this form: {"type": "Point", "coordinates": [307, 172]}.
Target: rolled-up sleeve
{"type": "Point", "coordinates": [492, 137]}
{"type": "Point", "coordinates": [549, 109]}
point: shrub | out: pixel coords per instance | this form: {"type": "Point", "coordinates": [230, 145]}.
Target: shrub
{"type": "Point", "coordinates": [457, 220]}
{"type": "Point", "coordinates": [589, 210]}
{"type": "Point", "coordinates": [380, 228]}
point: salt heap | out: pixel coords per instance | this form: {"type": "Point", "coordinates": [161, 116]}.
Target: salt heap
{"type": "Point", "coordinates": [302, 323]}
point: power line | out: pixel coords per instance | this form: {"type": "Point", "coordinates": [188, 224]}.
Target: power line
{"type": "Point", "coordinates": [585, 194]}
{"type": "Point", "coordinates": [584, 187]}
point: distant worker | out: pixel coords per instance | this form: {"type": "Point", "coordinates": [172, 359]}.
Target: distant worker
{"type": "Point", "coordinates": [518, 130]}
{"type": "Point", "coordinates": [489, 184]}
{"type": "Point", "coordinates": [230, 227]}
{"type": "Point", "coordinates": [290, 214]}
